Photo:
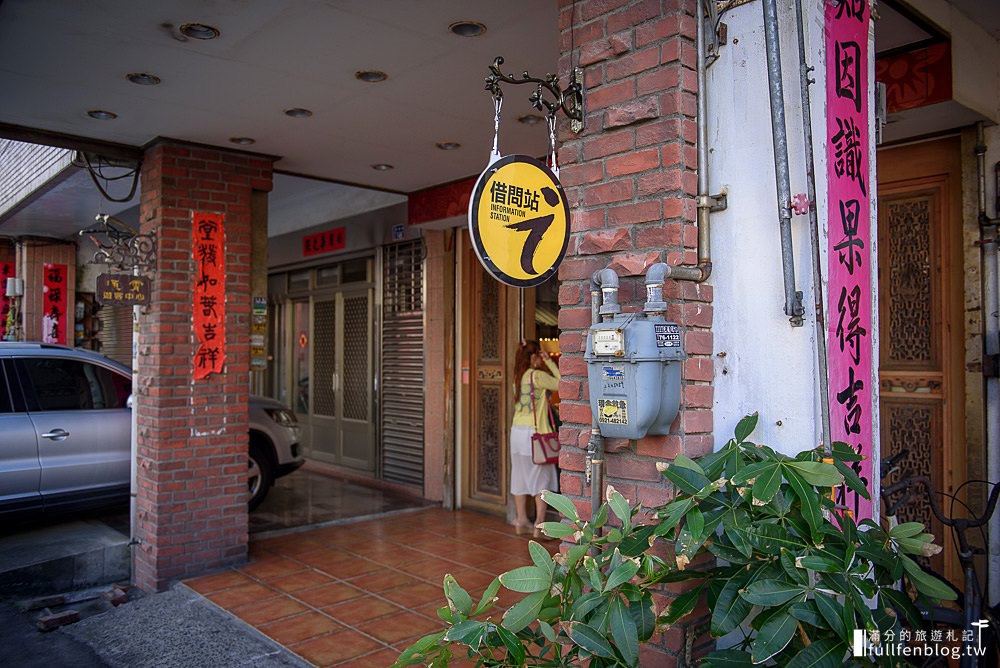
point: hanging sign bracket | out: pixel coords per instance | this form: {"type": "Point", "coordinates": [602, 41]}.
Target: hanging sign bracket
{"type": "Point", "coordinates": [569, 99]}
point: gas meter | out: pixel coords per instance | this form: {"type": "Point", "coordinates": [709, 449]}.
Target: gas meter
{"type": "Point", "coordinates": [633, 365]}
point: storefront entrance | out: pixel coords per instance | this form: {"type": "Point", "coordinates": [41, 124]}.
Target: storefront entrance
{"type": "Point", "coordinates": [495, 318]}
{"type": "Point", "coordinates": [920, 315]}
{"type": "Point", "coordinates": [329, 337]}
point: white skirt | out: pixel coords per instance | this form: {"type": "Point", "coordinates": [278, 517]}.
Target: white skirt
{"type": "Point", "coordinates": [526, 477]}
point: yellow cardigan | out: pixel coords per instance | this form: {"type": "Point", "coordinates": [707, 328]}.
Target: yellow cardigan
{"type": "Point", "coordinates": [542, 382]}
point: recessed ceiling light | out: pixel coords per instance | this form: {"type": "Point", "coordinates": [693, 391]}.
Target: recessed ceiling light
{"type": "Point", "coordinates": [243, 141]}
{"type": "Point", "coordinates": [530, 119]}
{"type": "Point", "coordinates": [370, 76]}
{"type": "Point", "coordinates": [143, 78]}
{"type": "Point", "coordinates": [448, 145]}
{"type": "Point", "coordinates": [298, 112]}
{"type": "Point", "coordinates": [199, 31]}
{"type": "Point", "coordinates": [102, 115]}
{"type": "Point", "coordinates": [467, 28]}
{"type": "Point", "coordinates": [382, 167]}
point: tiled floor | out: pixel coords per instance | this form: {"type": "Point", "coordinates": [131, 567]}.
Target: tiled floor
{"type": "Point", "coordinates": [358, 594]}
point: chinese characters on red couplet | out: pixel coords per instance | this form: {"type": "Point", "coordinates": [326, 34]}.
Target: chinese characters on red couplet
{"type": "Point", "coordinates": [6, 271]}
{"type": "Point", "coordinates": [849, 246]}
{"type": "Point", "coordinates": [209, 306]}
{"type": "Point", "coordinates": [54, 303]}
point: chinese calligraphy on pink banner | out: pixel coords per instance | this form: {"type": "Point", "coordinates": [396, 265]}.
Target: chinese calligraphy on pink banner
{"type": "Point", "coordinates": [850, 309]}
{"type": "Point", "coordinates": [209, 250]}
{"type": "Point", "coordinates": [6, 271]}
{"type": "Point", "coordinates": [54, 303]}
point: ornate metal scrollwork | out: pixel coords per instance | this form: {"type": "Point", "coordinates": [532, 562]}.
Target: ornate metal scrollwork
{"type": "Point", "coordinates": [122, 248]}
{"type": "Point", "coordinates": [569, 99]}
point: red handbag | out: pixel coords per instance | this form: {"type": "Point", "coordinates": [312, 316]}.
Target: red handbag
{"type": "Point", "coordinates": [544, 447]}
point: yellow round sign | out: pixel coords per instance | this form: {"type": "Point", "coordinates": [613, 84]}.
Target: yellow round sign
{"type": "Point", "coordinates": [519, 221]}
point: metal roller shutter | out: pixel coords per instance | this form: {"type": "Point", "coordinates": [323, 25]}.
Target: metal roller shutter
{"type": "Point", "coordinates": [402, 415]}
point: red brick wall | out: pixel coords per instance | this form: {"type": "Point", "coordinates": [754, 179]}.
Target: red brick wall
{"type": "Point", "coordinates": [192, 513]}
{"type": "Point", "coordinates": [631, 180]}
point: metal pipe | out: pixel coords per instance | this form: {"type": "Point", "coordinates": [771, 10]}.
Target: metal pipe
{"type": "Point", "coordinates": [991, 349]}
{"type": "Point", "coordinates": [779, 137]}
{"type": "Point", "coordinates": [655, 276]}
{"type": "Point", "coordinates": [817, 257]}
{"type": "Point", "coordinates": [700, 272]}
{"type": "Point", "coordinates": [603, 286]}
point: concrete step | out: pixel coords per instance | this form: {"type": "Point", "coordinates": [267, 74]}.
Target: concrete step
{"type": "Point", "coordinates": [62, 557]}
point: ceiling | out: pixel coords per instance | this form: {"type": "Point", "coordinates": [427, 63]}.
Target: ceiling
{"type": "Point", "coordinates": [61, 58]}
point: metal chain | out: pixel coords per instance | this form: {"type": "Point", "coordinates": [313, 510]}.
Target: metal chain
{"type": "Point", "coordinates": [550, 121]}
{"type": "Point", "coordinates": [497, 105]}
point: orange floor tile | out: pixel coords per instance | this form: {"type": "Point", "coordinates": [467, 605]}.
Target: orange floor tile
{"type": "Point", "coordinates": [357, 594]}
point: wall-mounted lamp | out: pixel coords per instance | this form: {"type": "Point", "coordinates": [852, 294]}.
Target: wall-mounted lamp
{"type": "Point", "coordinates": [15, 287]}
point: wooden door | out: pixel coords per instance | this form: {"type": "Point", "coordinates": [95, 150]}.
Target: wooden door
{"type": "Point", "coordinates": [489, 337]}
{"type": "Point", "coordinates": [920, 320]}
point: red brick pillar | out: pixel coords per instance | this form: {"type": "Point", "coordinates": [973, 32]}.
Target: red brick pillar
{"type": "Point", "coordinates": [631, 181]}
{"type": "Point", "coordinates": [192, 512]}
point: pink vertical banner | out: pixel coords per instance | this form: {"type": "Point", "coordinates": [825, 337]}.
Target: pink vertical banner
{"type": "Point", "coordinates": [54, 296]}
{"type": "Point", "coordinates": [849, 246]}
{"type": "Point", "coordinates": [6, 271]}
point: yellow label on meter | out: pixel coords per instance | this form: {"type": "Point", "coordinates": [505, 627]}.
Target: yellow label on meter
{"type": "Point", "coordinates": [519, 221]}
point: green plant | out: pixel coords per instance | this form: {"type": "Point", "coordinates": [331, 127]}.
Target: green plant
{"type": "Point", "coordinates": [754, 531]}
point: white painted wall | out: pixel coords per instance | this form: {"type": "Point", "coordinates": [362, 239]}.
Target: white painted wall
{"type": "Point", "coordinates": [763, 363]}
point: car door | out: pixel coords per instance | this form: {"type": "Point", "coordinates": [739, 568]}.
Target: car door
{"type": "Point", "coordinates": [82, 426]}
{"type": "Point", "coordinates": [19, 466]}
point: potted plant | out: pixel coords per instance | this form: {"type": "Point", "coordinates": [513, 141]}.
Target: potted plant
{"type": "Point", "coordinates": [787, 576]}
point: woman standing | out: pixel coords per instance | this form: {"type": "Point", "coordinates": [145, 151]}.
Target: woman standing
{"type": "Point", "coordinates": [535, 373]}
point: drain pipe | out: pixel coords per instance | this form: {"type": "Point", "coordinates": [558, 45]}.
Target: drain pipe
{"type": "Point", "coordinates": [991, 347]}
{"type": "Point", "coordinates": [779, 136]}
{"type": "Point", "coordinates": [603, 306]}
{"type": "Point", "coordinates": [817, 261]}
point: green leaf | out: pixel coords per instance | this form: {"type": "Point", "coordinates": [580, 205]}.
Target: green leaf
{"type": "Point", "coordinates": [806, 611]}
{"type": "Point", "coordinates": [852, 479]}
{"type": "Point", "coordinates": [563, 504]}
{"type": "Point", "coordinates": [540, 556]}
{"type": "Point", "coordinates": [818, 474]}
{"type": "Point", "coordinates": [643, 616]}
{"type": "Point", "coordinates": [557, 529]}
{"type": "Point", "coordinates": [585, 604]}
{"type": "Point", "coordinates": [624, 632]}
{"type": "Point", "coordinates": [769, 593]}
{"type": "Point", "coordinates": [745, 427]}
{"type": "Point", "coordinates": [845, 452]}
{"type": "Point", "coordinates": [682, 605]}
{"type": "Point", "coordinates": [927, 584]}
{"type": "Point", "coordinates": [695, 523]}
{"type": "Point", "coordinates": [469, 632]}
{"type": "Point", "coordinates": [773, 636]}
{"type": "Point", "coordinates": [458, 599]}
{"type": "Point", "coordinates": [824, 653]}
{"type": "Point", "coordinates": [831, 612]}
{"type": "Point", "coordinates": [414, 653]}
{"type": "Point", "coordinates": [730, 609]}
{"type": "Point", "coordinates": [768, 482]}
{"type": "Point", "coordinates": [547, 630]}
{"type": "Point", "coordinates": [486, 601]}
{"type": "Point", "coordinates": [791, 569]}
{"type": "Point", "coordinates": [686, 462]}
{"type": "Point", "coordinates": [821, 564]}
{"type": "Point", "coordinates": [771, 538]}
{"type": "Point", "coordinates": [590, 639]}
{"type": "Point", "coordinates": [685, 479]}
{"type": "Point", "coordinates": [524, 611]}
{"type": "Point", "coordinates": [748, 473]}
{"type": "Point", "coordinates": [727, 658]}
{"type": "Point", "coordinates": [637, 542]}
{"type": "Point", "coordinates": [901, 602]}
{"type": "Point", "coordinates": [621, 509]}
{"type": "Point", "coordinates": [809, 503]}
{"type": "Point", "coordinates": [514, 647]}
{"type": "Point", "coordinates": [672, 514]}
{"type": "Point", "coordinates": [906, 530]}
{"type": "Point", "coordinates": [622, 574]}
{"type": "Point", "coordinates": [527, 579]}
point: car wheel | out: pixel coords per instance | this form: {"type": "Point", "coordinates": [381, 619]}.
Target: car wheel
{"type": "Point", "coordinates": [260, 475]}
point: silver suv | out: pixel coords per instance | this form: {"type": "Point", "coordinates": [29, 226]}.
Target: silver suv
{"type": "Point", "coordinates": [65, 430]}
